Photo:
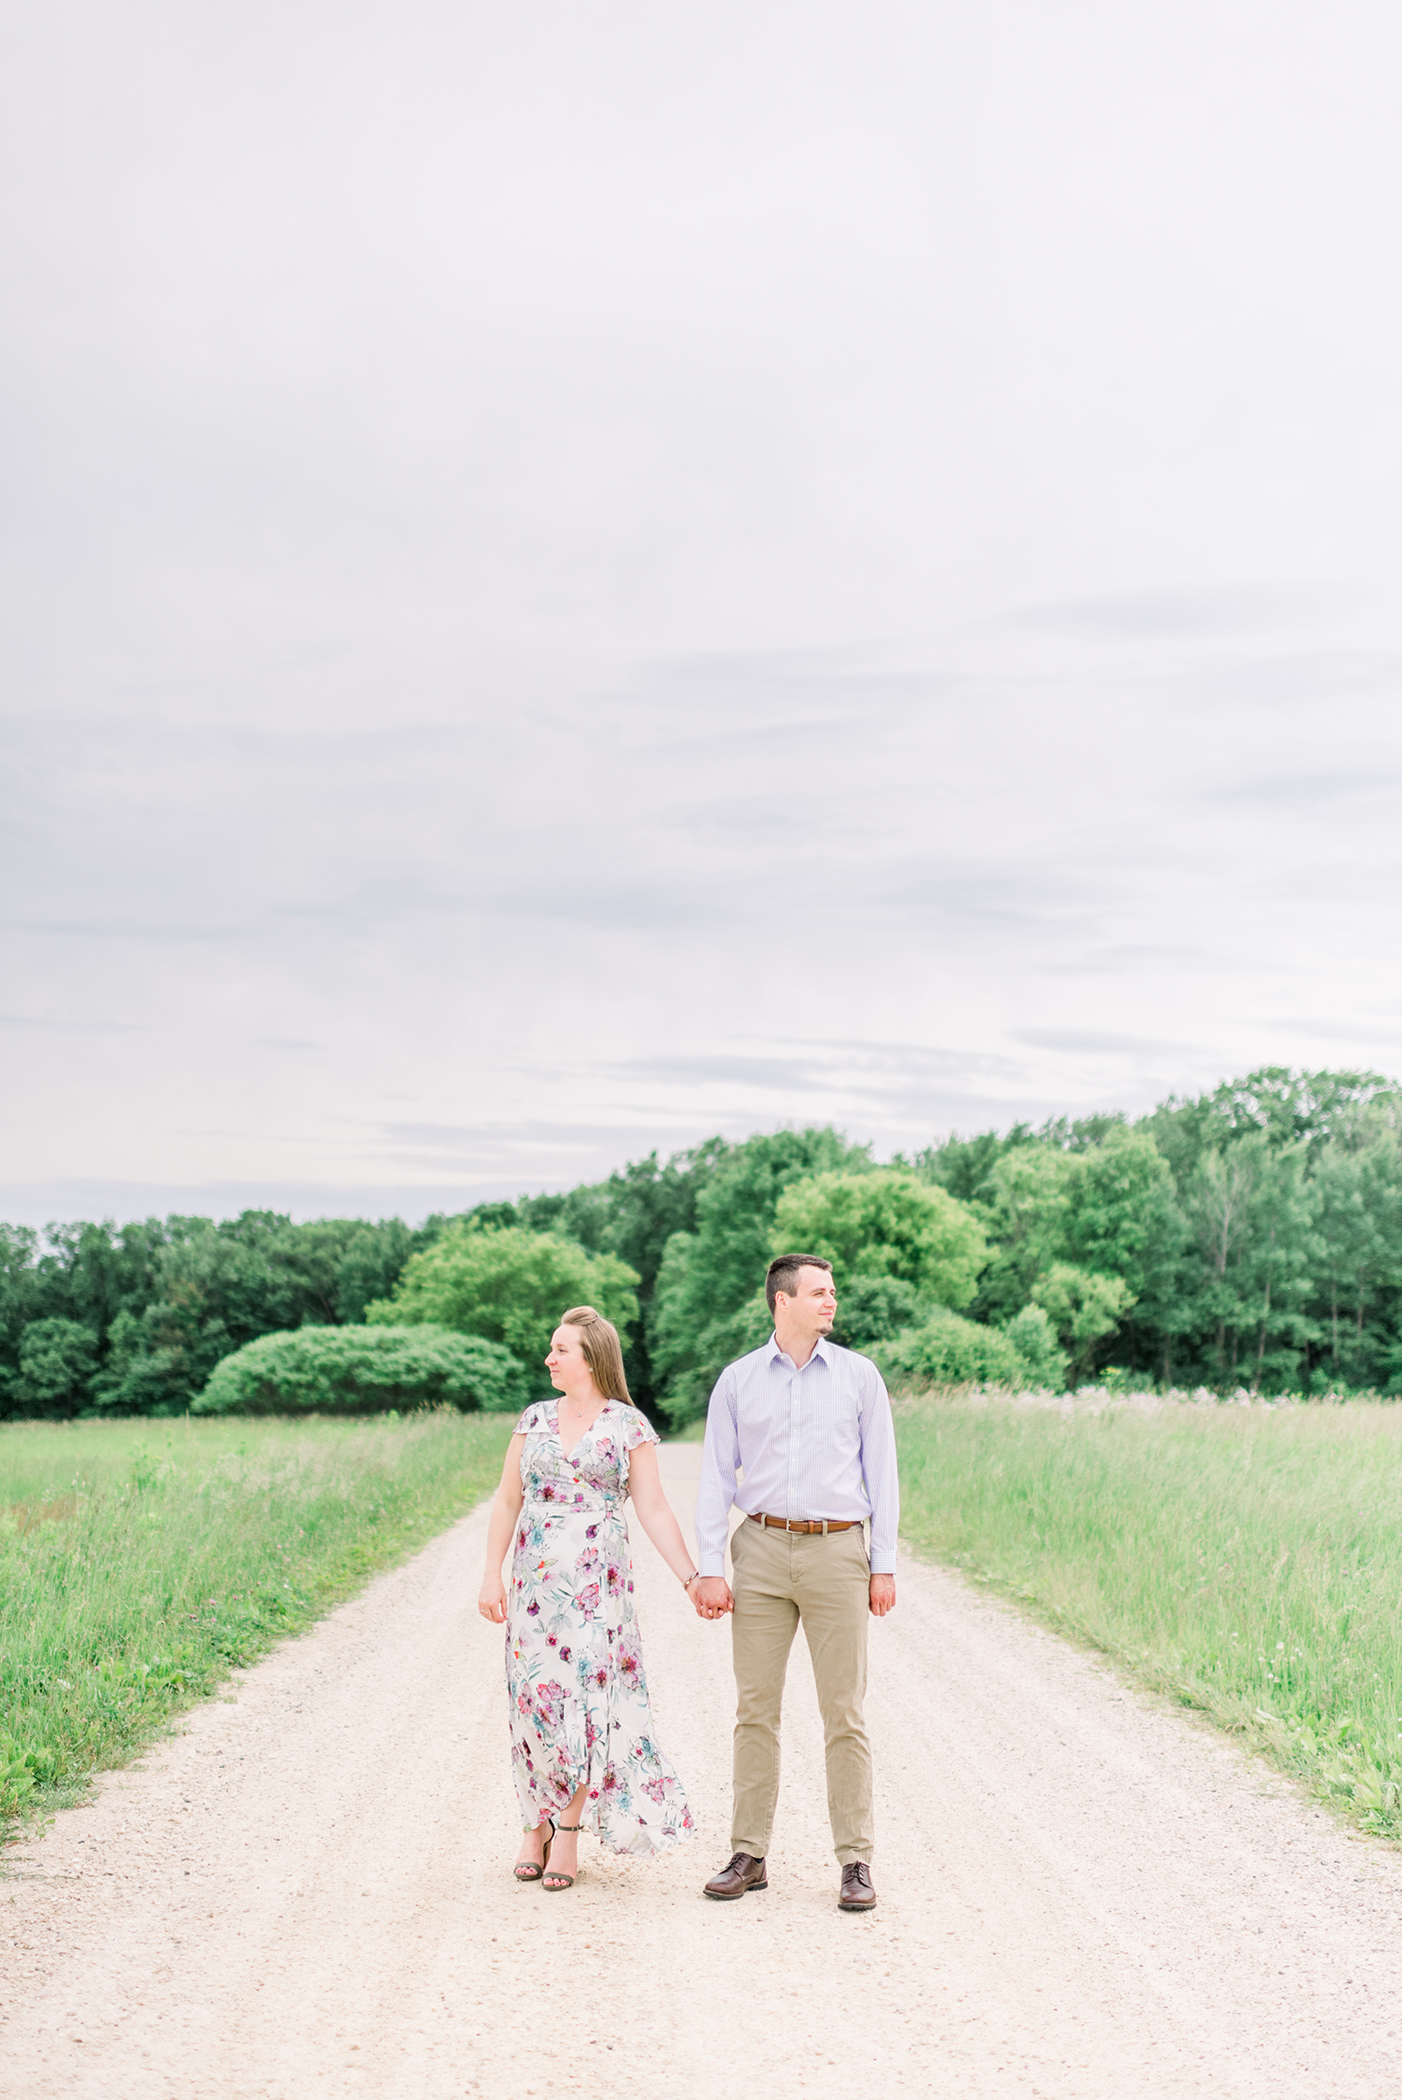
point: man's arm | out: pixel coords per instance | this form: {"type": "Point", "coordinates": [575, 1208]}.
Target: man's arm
{"type": "Point", "coordinates": [720, 1462]}
{"type": "Point", "coordinates": [878, 1435]}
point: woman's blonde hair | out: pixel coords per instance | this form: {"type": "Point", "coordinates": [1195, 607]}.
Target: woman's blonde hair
{"type": "Point", "coordinates": [603, 1352]}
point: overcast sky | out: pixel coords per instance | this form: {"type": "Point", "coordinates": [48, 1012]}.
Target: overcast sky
{"type": "Point", "coordinates": [579, 576]}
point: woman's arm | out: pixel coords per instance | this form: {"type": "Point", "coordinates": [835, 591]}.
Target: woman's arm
{"type": "Point", "coordinates": [655, 1511]}
{"type": "Point", "coordinates": [505, 1510]}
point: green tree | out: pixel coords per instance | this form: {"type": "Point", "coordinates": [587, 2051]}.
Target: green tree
{"type": "Point", "coordinates": [1281, 1106]}
{"type": "Point", "coordinates": [1100, 1198]}
{"type": "Point", "coordinates": [56, 1361]}
{"type": "Point", "coordinates": [1250, 1209]}
{"type": "Point", "coordinates": [134, 1378]}
{"type": "Point", "coordinates": [875, 1309]}
{"type": "Point", "coordinates": [18, 1302]}
{"type": "Point", "coordinates": [708, 1306]}
{"type": "Point", "coordinates": [885, 1222]}
{"type": "Point", "coordinates": [633, 1214]}
{"type": "Point", "coordinates": [1082, 1307]}
{"type": "Point", "coordinates": [965, 1166]}
{"type": "Point", "coordinates": [509, 1286]}
{"type": "Point", "coordinates": [1351, 1246]}
{"type": "Point", "coordinates": [1032, 1189]}
{"type": "Point", "coordinates": [168, 1298]}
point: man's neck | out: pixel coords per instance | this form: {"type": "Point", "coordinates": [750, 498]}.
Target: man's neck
{"type": "Point", "coordinates": [798, 1347]}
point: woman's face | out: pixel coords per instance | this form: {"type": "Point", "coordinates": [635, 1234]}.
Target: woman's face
{"type": "Point", "coordinates": [566, 1363]}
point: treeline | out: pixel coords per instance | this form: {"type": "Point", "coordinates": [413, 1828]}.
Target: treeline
{"type": "Point", "coordinates": [132, 1319]}
{"type": "Point", "coordinates": [1250, 1236]}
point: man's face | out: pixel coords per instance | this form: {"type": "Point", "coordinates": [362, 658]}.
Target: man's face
{"type": "Point", "coordinates": [812, 1307]}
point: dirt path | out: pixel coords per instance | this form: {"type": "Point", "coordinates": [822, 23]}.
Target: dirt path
{"type": "Point", "coordinates": [307, 1892]}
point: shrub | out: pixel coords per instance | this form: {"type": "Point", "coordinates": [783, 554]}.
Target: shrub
{"type": "Point", "coordinates": [1034, 1338]}
{"type": "Point", "coordinates": [363, 1370]}
{"type": "Point", "coordinates": [948, 1350]}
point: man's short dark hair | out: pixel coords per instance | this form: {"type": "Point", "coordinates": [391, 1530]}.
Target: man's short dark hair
{"type": "Point", "coordinates": [783, 1274]}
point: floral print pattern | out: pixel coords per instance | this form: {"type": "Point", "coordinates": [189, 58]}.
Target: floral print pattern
{"type": "Point", "coordinates": [574, 1659]}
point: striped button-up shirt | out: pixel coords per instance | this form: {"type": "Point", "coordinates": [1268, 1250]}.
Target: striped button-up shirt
{"type": "Point", "coordinates": [813, 1443]}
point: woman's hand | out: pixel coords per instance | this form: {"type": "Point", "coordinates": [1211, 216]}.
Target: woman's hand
{"type": "Point", "coordinates": [492, 1602]}
{"type": "Point", "coordinates": [710, 1595]}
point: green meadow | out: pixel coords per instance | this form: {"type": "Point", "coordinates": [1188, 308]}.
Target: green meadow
{"type": "Point", "coordinates": [1246, 1561]}
{"type": "Point", "coordinates": [140, 1561]}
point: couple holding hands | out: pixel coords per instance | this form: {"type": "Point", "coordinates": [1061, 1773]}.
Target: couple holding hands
{"type": "Point", "coordinates": [809, 1426]}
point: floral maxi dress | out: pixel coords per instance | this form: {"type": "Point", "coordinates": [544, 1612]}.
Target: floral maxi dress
{"type": "Point", "coordinates": [574, 1664]}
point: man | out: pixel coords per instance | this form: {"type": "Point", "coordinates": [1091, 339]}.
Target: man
{"type": "Point", "coordinates": [811, 1426]}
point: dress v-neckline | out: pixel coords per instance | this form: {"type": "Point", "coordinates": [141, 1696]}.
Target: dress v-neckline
{"type": "Point", "coordinates": [569, 1456]}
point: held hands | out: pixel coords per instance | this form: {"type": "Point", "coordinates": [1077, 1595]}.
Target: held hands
{"type": "Point", "coordinates": [711, 1596]}
{"type": "Point", "coordinates": [492, 1602]}
{"type": "Point", "coordinates": [881, 1592]}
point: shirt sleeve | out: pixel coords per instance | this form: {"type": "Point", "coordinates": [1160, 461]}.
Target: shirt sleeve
{"type": "Point", "coordinates": [879, 1471]}
{"type": "Point", "coordinates": [720, 1462]}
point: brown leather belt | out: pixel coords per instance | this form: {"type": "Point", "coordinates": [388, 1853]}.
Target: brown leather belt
{"type": "Point", "coordinates": [823, 1524]}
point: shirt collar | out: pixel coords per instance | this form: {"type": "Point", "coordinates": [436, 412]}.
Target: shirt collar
{"type": "Point", "coordinates": [776, 1354]}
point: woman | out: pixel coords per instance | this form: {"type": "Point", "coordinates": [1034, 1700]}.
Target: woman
{"type": "Point", "coordinates": [583, 1749]}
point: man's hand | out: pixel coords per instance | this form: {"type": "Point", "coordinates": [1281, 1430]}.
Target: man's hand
{"type": "Point", "coordinates": [882, 1592]}
{"type": "Point", "coordinates": [711, 1596]}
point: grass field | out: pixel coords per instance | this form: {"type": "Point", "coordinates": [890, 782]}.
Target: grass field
{"type": "Point", "coordinates": [1245, 1560]}
{"type": "Point", "coordinates": [139, 1560]}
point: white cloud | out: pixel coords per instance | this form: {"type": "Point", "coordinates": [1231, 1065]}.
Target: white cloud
{"type": "Point", "coordinates": [560, 565]}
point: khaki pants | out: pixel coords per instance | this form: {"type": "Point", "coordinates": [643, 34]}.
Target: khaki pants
{"type": "Point", "coordinates": [780, 1578]}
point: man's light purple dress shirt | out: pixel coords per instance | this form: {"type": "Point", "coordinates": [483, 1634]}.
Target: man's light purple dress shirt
{"type": "Point", "coordinates": [812, 1443]}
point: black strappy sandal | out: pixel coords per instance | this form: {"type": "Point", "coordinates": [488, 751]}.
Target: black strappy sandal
{"type": "Point", "coordinates": [526, 1869]}
{"type": "Point", "coordinates": [557, 1882]}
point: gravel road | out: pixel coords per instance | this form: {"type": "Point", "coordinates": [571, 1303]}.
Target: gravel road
{"type": "Point", "coordinates": [308, 1891]}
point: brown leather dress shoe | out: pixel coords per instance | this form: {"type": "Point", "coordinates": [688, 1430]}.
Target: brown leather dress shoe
{"type": "Point", "coordinates": [857, 1891]}
{"type": "Point", "coordinates": [743, 1874]}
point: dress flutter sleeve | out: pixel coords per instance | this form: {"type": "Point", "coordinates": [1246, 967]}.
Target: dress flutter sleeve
{"type": "Point", "coordinates": [529, 1422]}
{"type": "Point", "coordinates": [636, 1430]}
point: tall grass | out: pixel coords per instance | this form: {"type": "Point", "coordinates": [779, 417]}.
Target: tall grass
{"type": "Point", "coordinates": [1245, 1560]}
{"type": "Point", "coordinates": [139, 1560]}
